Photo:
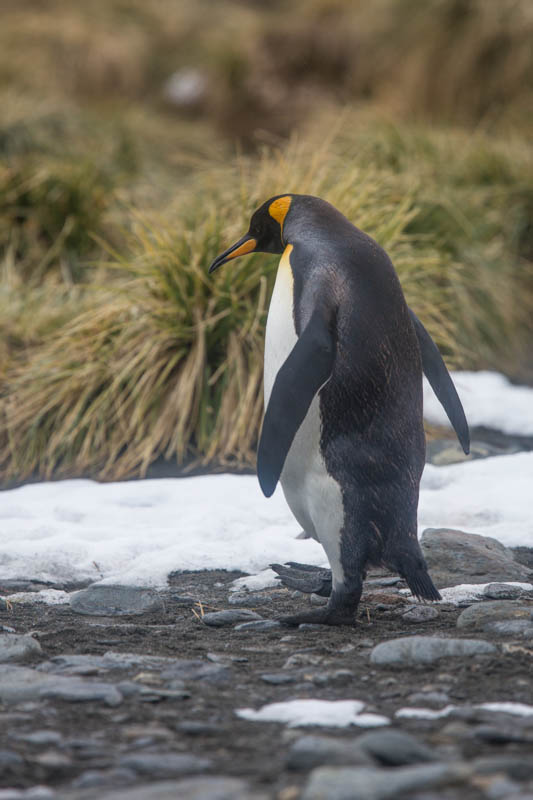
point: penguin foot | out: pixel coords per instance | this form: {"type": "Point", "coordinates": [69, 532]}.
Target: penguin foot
{"type": "Point", "coordinates": [320, 616]}
{"type": "Point", "coordinates": [304, 577]}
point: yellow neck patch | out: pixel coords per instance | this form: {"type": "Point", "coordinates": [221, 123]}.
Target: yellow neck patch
{"type": "Point", "coordinates": [278, 209]}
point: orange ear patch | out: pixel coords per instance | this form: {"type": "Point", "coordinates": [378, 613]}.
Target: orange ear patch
{"type": "Point", "coordinates": [278, 209]}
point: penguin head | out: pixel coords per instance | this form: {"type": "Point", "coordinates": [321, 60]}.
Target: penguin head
{"type": "Point", "coordinates": [265, 234]}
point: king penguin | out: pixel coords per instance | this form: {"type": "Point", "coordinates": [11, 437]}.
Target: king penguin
{"type": "Point", "coordinates": [343, 430]}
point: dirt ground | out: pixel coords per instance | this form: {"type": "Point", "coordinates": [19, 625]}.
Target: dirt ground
{"type": "Point", "coordinates": [255, 751]}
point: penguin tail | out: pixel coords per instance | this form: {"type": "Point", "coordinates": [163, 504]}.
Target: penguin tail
{"type": "Point", "coordinates": [413, 570]}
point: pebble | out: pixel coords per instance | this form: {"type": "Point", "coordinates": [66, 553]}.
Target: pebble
{"type": "Point", "coordinates": [195, 670]}
{"type": "Point", "coordinates": [20, 684]}
{"type": "Point", "coordinates": [317, 600]}
{"type": "Point", "coordinates": [412, 650]}
{"type": "Point", "coordinates": [258, 625]}
{"type": "Point", "coordinates": [302, 660]}
{"type": "Point", "coordinates": [220, 619]}
{"type": "Point", "coordinates": [33, 793]}
{"type": "Point", "coordinates": [519, 768]}
{"type": "Point", "coordinates": [395, 748]}
{"type": "Point", "coordinates": [502, 591]}
{"type": "Point", "coordinates": [164, 765]}
{"type": "Point", "coordinates": [10, 762]}
{"type": "Point", "coordinates": [42, 738]}
{"type": "Point", "coordinates": [479, 614]}
{"type": "Point", "coordinates": [278, 678]}
{"type": "Point", "coordinates": [249, 600]}
{"type": "Point", "coordinates": [431, 699]}
{"type": "Point", "coordinates": [367, 783]}
{"type": "Point", "coordinates": [215, 787]}
{"type": "Point", "coordinates": [309, 752]}
{"type": "Point", "coordinates": [313, 626]}
{"type": "Point", "coordinates": [94, 778]}
{"type": "Point", "coordinates": [197, 728]}
{"type": "Point", "coordinates": [75, 690]}
{"type": "Point", "coordinates": [18, 647]}
{"type": "Point", "coordinates": [502, 734]}
{"type": "Point", "coordinates": [108, 600]}
{"type": "Point", "coordinates": [523, 628]}
{"type": "Point", "coordinates": [420, 613]}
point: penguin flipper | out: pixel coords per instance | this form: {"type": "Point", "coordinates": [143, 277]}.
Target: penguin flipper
{"type": "Point", "coordinates": [441, 382]}
{"type": "Point", "coordinates": [305, 371]}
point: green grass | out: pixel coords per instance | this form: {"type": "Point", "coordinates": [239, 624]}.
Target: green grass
{"type": "Point", "coordinates": [149, 356]}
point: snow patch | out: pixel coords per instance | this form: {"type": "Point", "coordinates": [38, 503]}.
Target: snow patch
{"type": "Point", "coordinates": [489, 399]}
{"type": "Point", "coordinates": [517, 709]}
{"type": "Point", "coordinates": [326, 713]}
{"type": "Point", "coordinates": [267, 579]}
{"type": "Point", "coordinates": [466, 592]}
{"type": "Point", "coordinates": [50, 597]}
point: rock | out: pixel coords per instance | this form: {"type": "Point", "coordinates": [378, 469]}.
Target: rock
{"type": "Point", "coordinates": [502, 591]}
{"type": "Point", "coordinates": [107, 600]}
{"type": "Point", "coordinates": [395, 748]}
{"type": "Point", "coordinates": [33, 793]}
{"type": "Point", "coordinates": [520, 768]}
{"type": "Point", "coordinates": [521, 628]}
{"type": "Point", "coordinates": [524, 555]}
{"type": "Point", "coordinates": [318, 600]}
{"type": "Point", "coordinates": [502, 734]}
{"type": "Point", "coordinates": [420, 613]}
{"type": "Point", "coordinates": [278, 678]}
{"type": "Point", "coordinates": [442, 452]}
{"type": "Point", "coordinates": [454, 557]}
{"type": "Point", "coordinates": [431, 699]}
{"type": "Point", "coordinates": [10, 763]}
{"type": "Point", "coordinates": [367, 783]}
{"type": "Point", "coordinates": [18, 647]}
{"type": "Point", "coordinates": [248, 600]}
{"type": "Point", "coordinates": [315, 751]}
{"type": "Point", "coordinates": [21, 684]}
{"type": "Point", "coordinates": [215, 787]}
{"type": "Point", "coordinates": [258, 625]}
{"type": "Point", "coordinates": [164, 765]}
{"type": "Point", "coordinates": [479, 614]}
{"type": "Point", "coordinates": [196, 670]}
{"type": "Point", "coordinates": [42, 738]}
{"type": "Point", "coordinates": [413, 650]}
{"type": "Point", "coordinates": [302, 660]}
{"type": "Point", "coordinates": [94, 778]}
{"type": "Point", "coordinates": [220, 619]}
{"type": "Point", "coordinates": [194, 727]}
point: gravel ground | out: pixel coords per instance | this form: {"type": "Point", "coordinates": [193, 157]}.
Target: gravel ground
{"type": "Point", "coordinates": [101, 727]}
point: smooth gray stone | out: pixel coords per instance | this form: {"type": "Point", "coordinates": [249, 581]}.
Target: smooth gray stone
{"type": "Point", "coordinates": [278, 678]}
{"type": "Point", "coordinates": [522, 628]}
{"type": "Point", "coordinates": [10, 762]}
{"type": "Point", "coordinates": [22, 684]}
{"type": "Point", "coordinates": [18, 647]}
{"type": "Point", "coordinates": [193, 727]}
{"type": "Point", "coordinates": [520, 768]}
{"type": "Point", "coordinates": [431, 699]}
{"type": "Point", "coordinates": [215, 787]}
{"type": "Point", "coordinates": [454, 557]}
{"type": "Point", "coordinates": [33, 793]}
{"type": "Point", "coordinates": [106, 777]}
{"type": "Point", "coordinates": [220, 619]}
{"type": "Point", "coordinates": [318, 600]}
{"type": "Point", "coordinates": [249, 600]}
{"type": "Point", "coordinates": [501, 734]}
{"type": "Point", "coordinates": [477, 615]}
{"type": "Point", "coordinates": [73, 664]}
{"type": "Point", "coordinates": [42, 738]}
{"type": "Point", "coordinates": [107, 600]}
{"type": "Point", "coordinates": [420, 613]}
{"type": "Point", "coordinates": [315, 751]}
{"type": "Point", "coordinates": [164, 765]}
{"type": "Point", "coordinates": [395, 748]}
{"type": "Point", "coordinates": [412, 650]}
{"type": "Point", "coordinates": [367, 783]}
{"type": "Point", "coordinates": [196, 670]}
{"type": "Point", "coordinates": [502, 591]}
{"type": "Point", "coordinates": [258, 625]}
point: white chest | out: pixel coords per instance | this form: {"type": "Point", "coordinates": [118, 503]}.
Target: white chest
{"type": "Point", "coordinates": [280, 331]}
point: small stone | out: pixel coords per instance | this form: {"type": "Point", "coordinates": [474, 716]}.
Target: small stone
{"type": "Point", "coordinates": [519, 768]}
{"type": "Point", "coordinates": [476, 616]}
{"type": "Point", "coordinates": [248, 600]}
{"type": "Point", "coordinates": [183, 601]}
{"type": "Point", "coordinates": [367, 783]}
{"type": "Point", "coordinates": [309, 752]}
{"type": "Point", "coordinates": [522, 628]}
{"type": "Point", "coordinates": [78, 691]}
{"type": "Point", "coordinates": [220, 619]}
{"type": "Point", "coordinates": [313, 626]}
{"type": "Point", "coordinates": [18, 647]}
{"type": "Point", "coordinates": [10, 762]}
{"type": "Point", "coordinates": [108, 600]}
{"type": "Point", "coordinates": [502, 591]}
{"type": "Point", "coordinates": [258, 625]}
{"type": "Point", "coordinates": [195, 670]}
{"type": "Point", "coordinates": [395, 748]}
{"type": "Point", "coordinates": [431, 699]}
{"type": "Point", "coordinates": [502, 734]}
{"type": "Point", "coordinates": [302, 660]}
{"type": "Point", "coordinates": [40, 738]}
{"type": "Point", "coordinates": [109, 777]}
{"type": "Point", "coordinates": [196, 728]}
{"type": "Point", "coordinates": [501, 788]}
{"type": "Point", "coordinates": [278, 678]}
{"type": "Point", "coordinates": [318, 600]}
{"type": "Point", "coordinates": [164, 765]}
{"type": "Point", "coordinates": [54, 761]}
{"type": "Point", "coordinates": [215, 787]}
{"type": "Point", "coordinates": [413, 650]}
{"type": "Point", "coordinates": [420, 613]}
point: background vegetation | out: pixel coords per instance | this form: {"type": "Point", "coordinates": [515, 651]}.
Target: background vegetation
{"type": "Point", "coordinates": [118, 187]}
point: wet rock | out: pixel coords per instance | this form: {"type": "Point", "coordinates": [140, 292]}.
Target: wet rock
{"type": "Point", "coordinates": [220, 619]}
{"type": "Point", "coordinates": [278, 678]}
{"type": "Point", "coordinates": [367, 783]}
{"type": "Point", "coordinates": [454, 557]}
{"type": "Point", "coordinates": [53, 761]}
{"type": "Point", "coordinates": [420, 613]}
{"type": "Point", "coordinates": [502, 591]}
{"type": "Point", "coordinates": [478, 615]}
{"type": "Point", "coordinates": [21, 684]}
{"type": "Point", "coordinates": [430, 699]}
{"type": "Point", "coordinates": [309, 752]}
{"type": "Point", "coordinates": [196, 670]}
{"type": "Point", "coordinates": [258, 625]}
{"type": "Point", "coordinates": [42, 738]}
{"type": "Point", "coordinates": [413, 650]}
{"type": "Point", "coordinates": [215, 787]}
{"type": "Point", "coordinates": [521, 628]}
{"type": "Point", "coordinates": [248, 600]}
{"type": "Point", "coordinates": [164, 765]}
{"type": "Point", "coordinates": [18, 647]}
{"type": "Point", "coordinates": [519, 768]}
{"type": "Point", "coordinates": [107, 600]}
{"type": "Point", "coordinates": [395, 748]}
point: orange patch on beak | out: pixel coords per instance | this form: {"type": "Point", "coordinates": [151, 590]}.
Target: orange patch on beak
{"type": "Point", "coordinates": [247, 247]}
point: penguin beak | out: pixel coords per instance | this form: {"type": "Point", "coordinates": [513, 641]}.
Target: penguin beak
{"type": "Point", "coordinates": [245, 245]}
